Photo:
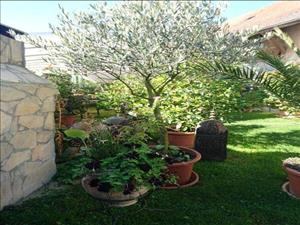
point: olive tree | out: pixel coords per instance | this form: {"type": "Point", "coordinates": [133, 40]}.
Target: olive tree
{"type": "Point", "coordinates": [147, 40]}
{"type": "Point", "coordinates": [144, 40]}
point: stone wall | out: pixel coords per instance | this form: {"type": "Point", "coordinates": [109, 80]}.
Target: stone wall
{"type": "Point", "coordinates": [12, 51]}
{"type": "Point", "coordinates": [27, 133]}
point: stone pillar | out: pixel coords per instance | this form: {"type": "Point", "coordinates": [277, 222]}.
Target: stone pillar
{"type": "Point", "coordinates": [12, 51]}
{"type": "Point", "coordinates": [27, 133]}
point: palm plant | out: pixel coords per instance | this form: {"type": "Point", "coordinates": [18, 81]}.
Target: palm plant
{"type": "Point", "coordinates": [283, 81]}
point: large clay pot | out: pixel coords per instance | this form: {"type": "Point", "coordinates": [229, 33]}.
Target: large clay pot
{"type": "Point", "coordinates": [68, 120]}
{"type": "Point", "coordinates": [184, 139]}
{"type": "Point", "coordinates": [183, 170]}
{"type": "Point", "coordinates": [115, 199]}
{"type": "Point", "coordinates": [294, 181]}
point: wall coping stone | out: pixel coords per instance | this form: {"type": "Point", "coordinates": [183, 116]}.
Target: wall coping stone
{"type": "Point", "coordinates": [19, 74]}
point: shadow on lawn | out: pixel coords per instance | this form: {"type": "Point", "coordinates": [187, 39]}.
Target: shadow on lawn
{"type": "Point", "coordinates": [237, 136]}
{"type": "Point", "coordinates": [253, 116]}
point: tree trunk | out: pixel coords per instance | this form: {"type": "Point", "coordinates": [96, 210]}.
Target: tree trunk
{"type": "Point", "coordinates": [154, 103]}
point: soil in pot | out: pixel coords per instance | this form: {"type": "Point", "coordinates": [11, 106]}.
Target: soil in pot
{"type": "Point", "coordinates": [184, 139]}
{"type": "Point", "coordinates": [294, 181]}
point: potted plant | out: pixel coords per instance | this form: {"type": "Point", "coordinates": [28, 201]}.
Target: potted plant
{"type": "Point", "coordinates": [122, 179]}
{"type": "Point", "coordinates": [68, 117]}
{"type": "Point", "coordinates": [180, 162]}
{"type": "Point", "coordinates": [179, 137]}
{"type": "Point", "coordinates": [122, 167]}
{"type": "Point", "coordinates": [292, 167]}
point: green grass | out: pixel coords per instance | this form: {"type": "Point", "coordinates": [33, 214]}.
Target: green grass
{"type": "Point", "coordinates": [244, 190]}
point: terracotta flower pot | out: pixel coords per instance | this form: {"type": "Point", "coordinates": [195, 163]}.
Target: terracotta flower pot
{"type": "Point", "coordinates": [115, 199]}
{"type": "Point", "coordinates": [184, 139]}
{"type": "Point", "coordinates": [183, 170]}
{"type": "Point", "coordinates": [294, 181]}
{"type": "Point", "coordinates": [68, 120]}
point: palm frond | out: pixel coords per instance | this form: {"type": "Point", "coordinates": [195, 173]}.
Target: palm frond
{"type": "Point", "coordinates": [284, 82]}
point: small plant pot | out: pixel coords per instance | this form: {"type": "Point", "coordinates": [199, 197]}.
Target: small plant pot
{"type": "Point", "coordinates": [294, 181]}
{"type": "Point", "coordinates": [115, 199]}
{"type": "Point", "coordinates": [183, 170]}
{"type": "Point", "coordinates": [184, 139]}
{"type": "Point", "coordinates": [68, 120]}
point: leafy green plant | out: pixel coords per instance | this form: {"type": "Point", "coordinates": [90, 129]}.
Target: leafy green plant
{"type": "Point", "coordinates": [129, 170]}
{"type": "Point", "coordinates": [77, 134]}
{"type": "Point", "coordinates": [110, 140]}
{"type": "Point", "coordinates": [75, 104]}
{"type": "Point", "coordinates": [63, 83]}
{"type": "Point", "coordinates": [134, 134]}
{"type": "Point", "coordinates": [102, 144]}
{"type": "Point", "coordinates": [173, 155]}
{"type": "Point", "coordinates": [185, 102]}
{"type": "Point", "coordinates": [252, 97]}
{"type": "Point", "coordinates": [190, 101]}
{"type": "Point", "coordinates": [70, 171]}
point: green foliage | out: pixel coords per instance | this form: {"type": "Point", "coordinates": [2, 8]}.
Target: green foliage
{"type": "Point", "coordinates": [76, 104]}
{"type": "Point", "coordinates": [133, 166]}
{"type": "Point", "coordinates": [135, 133]}
{"type": "Point", "coordinates": [184, 103]}
{"type": "Point", "coordinates": [253, 97]}
{"type": "Point", "coordinates": [109, 141]}
{"type": "Point", "coordinates": [117, 96]}
{"type": "Point", "coordinates": [63, 83]}
{"type": "Point", "coordinates": [283, 82]}
{"type": "Point", "coordinates": [76, 133]}
{"type": "Point", "coordinates": [69, 172]}
{"type": "Point", "coordinates": [102, 144]}
{"type": "Point", "coordinates": [188, 102]}
{"type": "Point", "coordinates": [275, 102]}
{"type": "Point", "coordinates": [173, 155]}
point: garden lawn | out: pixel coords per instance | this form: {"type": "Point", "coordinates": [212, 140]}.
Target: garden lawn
{"type": "Point", "coordinates": [244, 190]}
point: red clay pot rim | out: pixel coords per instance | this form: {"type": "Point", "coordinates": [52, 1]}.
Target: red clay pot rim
{"type": "Point", "coordinates": [194, 180]}
{"type": "Point", "coordinates": [292, 171]}
{"type": "Point", "coordinates": [180, 133]}
{"type": "Point", "coordinates": [194, 160]}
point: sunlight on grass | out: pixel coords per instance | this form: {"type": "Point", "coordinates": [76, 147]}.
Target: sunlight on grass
{"type": "Point", "coordinates": [263, 134]}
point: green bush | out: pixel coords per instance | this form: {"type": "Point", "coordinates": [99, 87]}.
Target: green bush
{"type": "Point", "coordinates": [184, 103]}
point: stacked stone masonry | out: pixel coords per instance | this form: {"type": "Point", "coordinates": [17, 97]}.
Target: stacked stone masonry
{"type": "Point", "coordinates": [27, 138]}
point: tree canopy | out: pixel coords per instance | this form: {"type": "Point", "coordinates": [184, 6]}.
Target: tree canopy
{"type": "Point", "coordinates": [143, 39]}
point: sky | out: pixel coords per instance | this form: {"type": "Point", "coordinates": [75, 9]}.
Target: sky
{"type": "Point", "coordinates": [35, 16]}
